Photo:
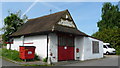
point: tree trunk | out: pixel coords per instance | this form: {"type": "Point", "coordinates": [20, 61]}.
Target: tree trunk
{"type": "Point", "coordinates": [10, 47]}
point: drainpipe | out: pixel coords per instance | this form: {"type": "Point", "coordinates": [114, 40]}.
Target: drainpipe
{"type": "Point", "coordinates": [22, 37]}
{"type": "Point", "coordinates": [48, 58]}
{"type": "Point", "coordinates": [47, 45]}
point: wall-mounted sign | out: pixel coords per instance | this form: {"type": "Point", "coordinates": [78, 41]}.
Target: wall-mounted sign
{"type": "Point", "coordinates": [29, 52]}
{"type": "Point", "coordinates": [66, 23]}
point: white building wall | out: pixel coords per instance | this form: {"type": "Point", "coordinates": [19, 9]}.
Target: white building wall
{"type": "Point", "coordinates": [16, 43]}
{"type": "Point", "coordinates": [53, 47]}
{"type": "Point", "coordinates": [88, 54]}
{"type": "Point", "coordinates": [40, 42]}
{"type": "Point", "coordinates": [79, 40]}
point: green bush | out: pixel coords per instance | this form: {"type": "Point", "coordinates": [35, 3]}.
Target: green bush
{"type": "Point", "coordinates": [36, 57]}
{"type": "Point", "coordinates": [117, 50]}
{"type": "Point", "coordinates": [0, 45]}
{"type": "Point", "coordinates": [36, 65]}
{"type": "Point", "coordinates": [11, 54]}
{"type": "Point", "coordinates": [45, 59]}
{"type": "Point", "coordinates": [0, 51]}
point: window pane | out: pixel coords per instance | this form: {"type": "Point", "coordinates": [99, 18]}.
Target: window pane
{"type": "Point", "coordinates": [95, 45]}
{"type": "Point", "coordinates": [62, 41]}
{"type": "Point", "coordinates": [70, 41]}
{"type": "Point", "coordinates": [65, 40]}
{"type": "Point", "coordinates": [104, 46]}
{"type": "Point", "coordinates": [109, 46]}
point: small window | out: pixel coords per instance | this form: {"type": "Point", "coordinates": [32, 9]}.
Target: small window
{"type": "Point", "coordinates": [66, 16]}
{"type": "Point", "coordinates": [62, 41]}
{"type": "Point", "coordinates": [95, 45]}
{"type": "Point", "coordinates": [65, 40]}
{"type": "Point", "coordinates": [70, 41]}
{"type": "Point", "coordinates": [104, 46]}
{"type": "Point", "coordinates": [109, 46]}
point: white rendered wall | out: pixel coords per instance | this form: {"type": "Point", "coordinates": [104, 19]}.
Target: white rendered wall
{"type": "Point", "coordinates": [53, 47]}
{"type": "Point", "coordinates": [79, 40]}
{"type": "Point", "coordinates": [88, 54]}
{"type": "Point", "coordinates": [40, 42]}
{"type": "Point", "coordinates": [16, 43]}
{"type": "Point", "coordinates": [83, 43]}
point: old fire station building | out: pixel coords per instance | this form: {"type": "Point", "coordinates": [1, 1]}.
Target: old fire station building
{"type": "Point", "coordinates": [56, 36]}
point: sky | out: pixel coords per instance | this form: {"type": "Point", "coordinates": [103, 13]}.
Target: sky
{"type": "Point", "coordinates": [85, 14]}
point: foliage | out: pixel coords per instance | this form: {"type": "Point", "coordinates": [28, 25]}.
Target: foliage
{"type": "Point", "coordinates": [12, 23]}
{"type": "Point", "coordinates": [36, 57]}
{"type": "Point", "coordinates": [109, 26]}
{"type": "Point", "coordinates": [117, 50]}
{"type": "Point", "coordinates": [109, 35]}
{"type": "Point", "coordinates": [36, 65]}
{"type": "Point", "coordinates": [0, 51]}
{"type": "Point", "coordinates": [110, 17]}
{"type": "Point", "coordinates": [45, 60]}
{"type": "Point", "coordinates": [1, 45]}
{"type": "Point", "coordinates": [11, 54]}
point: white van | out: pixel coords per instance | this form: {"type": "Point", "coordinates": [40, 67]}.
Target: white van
{"type": "Point", "coordinates": [108, 49]}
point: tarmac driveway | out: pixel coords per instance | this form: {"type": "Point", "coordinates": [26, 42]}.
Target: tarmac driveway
{"type": "Point", "coordinates": [109, 60]}
{"type": "Point", "coordinates": [6, 63]}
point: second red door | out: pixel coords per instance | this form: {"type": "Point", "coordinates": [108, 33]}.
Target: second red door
{"type": "Point", "coordinates": [65, 47]}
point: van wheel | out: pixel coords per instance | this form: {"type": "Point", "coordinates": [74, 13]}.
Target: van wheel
{"type": "Point", "coordinates": [107, 53]}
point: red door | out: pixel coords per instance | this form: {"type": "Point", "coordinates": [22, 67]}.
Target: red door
{"type": "Point", "coordinates": [65, 47]}
{"type": "Point", "coordinates": [62, 53]}
{"type": "Point", "coordinates": [70, 53]}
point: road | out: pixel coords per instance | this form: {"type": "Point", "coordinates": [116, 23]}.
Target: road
{"type": "Point", "coordinates": [7, 63]}
{"type": "Point", "coordinates": [110, 60]}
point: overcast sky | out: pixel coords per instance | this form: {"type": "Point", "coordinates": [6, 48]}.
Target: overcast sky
{"type": "Point", "coordinates": [85, 14]}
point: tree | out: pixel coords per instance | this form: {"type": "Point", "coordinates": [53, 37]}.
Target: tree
{"type": "Point", "coordinates": [119, 5]}
{"type": "Point", "coordinates": [12, 23]}
{"type": "Point", "coordinates": [109, 35]}
{"type": "Point", "coordinates": [109, 26]}
{"type": "Point", "coordinates": [110, 17]}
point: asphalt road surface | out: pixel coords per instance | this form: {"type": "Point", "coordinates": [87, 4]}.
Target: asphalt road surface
{"type": "Point", "coordinates": [110, 60]}
{"type": "Point", "coordinates": [7, 63]}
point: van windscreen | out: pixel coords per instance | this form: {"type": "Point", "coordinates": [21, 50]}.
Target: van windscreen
{"type": "Point", "coordinates": [109, 46]}
{"type": "Point", "coordinates": [104, 46]}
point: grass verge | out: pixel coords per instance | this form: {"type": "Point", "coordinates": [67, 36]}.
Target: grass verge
{"type": "Point", "coordinates": [13, 55]}
{"type": "Point", "coordinates": [36, 65]}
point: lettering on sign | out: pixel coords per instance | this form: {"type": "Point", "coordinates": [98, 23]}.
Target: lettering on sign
{"type": "Point", "coordinates": [66, 23]}
{"type": "Point", "coordinates": [29, 52]}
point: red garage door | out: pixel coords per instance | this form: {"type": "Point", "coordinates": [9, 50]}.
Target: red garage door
{"type": "Point", "coordinates": [65, 47]}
